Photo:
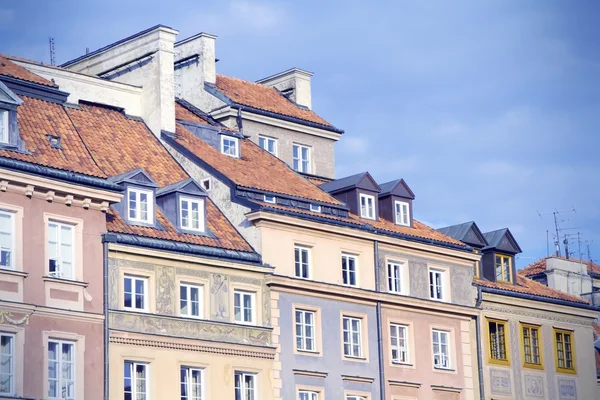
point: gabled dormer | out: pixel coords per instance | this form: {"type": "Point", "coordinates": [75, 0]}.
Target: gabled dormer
{"type": "Point", "coordinates": [359, 192]}
{"type": "Point", "coordinates": [184, 204]}
{"type": "Point", "coordinates": [137, 206]}
{"type": "Point", "coordinates": [498, 260]}
{"type": "Point", "coordinates": [468, 233]}
{"type": "Point", "coordinates": [9, 128]}
{"type": "Point", "coordinates": [395, 202]}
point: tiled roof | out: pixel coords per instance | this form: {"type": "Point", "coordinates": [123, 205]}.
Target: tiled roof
{"type": "Point", "coordinates": [317, 180]}
{"type": "Point", "coordinates": [529, 286]}
{"type": "Point", "coordinates": [540, 266]}
{"type": "Point", "coordinates": [265, 98]}
{"type": "Point", "coordinates": [186, 115]}
{"type": "Point", "coordinates": [256, 169]}
{"type": "Point", "coordinates": [9, 68]}
{"type": "Point", "coordinates": [596, 331]}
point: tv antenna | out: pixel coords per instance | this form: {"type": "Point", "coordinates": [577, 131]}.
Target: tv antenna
{"type": "Point", "coordinates": [52, 54]}
{"type": "Point", "coordinates": [558, 218]}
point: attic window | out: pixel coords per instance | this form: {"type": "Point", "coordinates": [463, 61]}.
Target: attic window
{"type": "Point", "coordinates": [54, 141]}
{"type": "Point", "coordinates": [230, 146]}
{"type": "Point", "coordinates": [402, 213]}
{"type": "Point", "coordinates": [206, 184]}
{"type": "Point", "coordinates": [503, 268]}
{"type": "Point", "coordinates": [367, 206]}
{"type": "Point", "coordinates": [192, 213]}
{"type": "Point", "coordinates": [270, 199]}
{"type": "Point", "coordinates": [315, 208]}
{"type": "Point", "coordinates": [4, 126]}
{"type": "Point", "coordinates": [140, 205]}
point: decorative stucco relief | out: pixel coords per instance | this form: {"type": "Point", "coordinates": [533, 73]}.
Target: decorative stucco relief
{"type": "Point", "coordinates": [513, 311]}
{"type": "Point", "coordinates": [246, 280]}
{"type": "Point", "coordinates": [113, 283]}
{"type": "Point", "coordinates": [515, 336]}
{"type": "Point", "coordinates": [7, 317]}
{"type": "Point", "coordinates": [165, 290]}
{"type": "Point", "coordinates": [567, 389]}
{"type": "Point", "coordinates": [500, 382]}
{"type": "Point", "coordinates": [192, 272]}
{"type": "Point", "coordinates": [266, 304]}
{"type": "Point", "coordinates": [219, 297]}
{"type": "Point", "coordinates": [534, 386]}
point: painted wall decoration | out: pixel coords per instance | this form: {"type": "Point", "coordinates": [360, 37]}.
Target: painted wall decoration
{"type": "Point", "coordinates": [500, 382]}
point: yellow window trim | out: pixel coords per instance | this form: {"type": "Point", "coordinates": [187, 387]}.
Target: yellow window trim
{"type": "Point", "coordinates": [506, 341]}
{"type": "Point", "coordinates": [571, 334]}
{"type": "Point", "coordinates": [526, 364]}
{"type": "Point", "coordinates": [476, 274]}
{"type": "Point", "coordinates": [509, 272]}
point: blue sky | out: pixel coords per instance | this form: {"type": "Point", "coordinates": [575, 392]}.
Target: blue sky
{"type": "Point", "coordinates": [489, 110]}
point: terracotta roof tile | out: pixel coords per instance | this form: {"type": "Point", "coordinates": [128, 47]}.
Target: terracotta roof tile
{"type": "Point", "coordinates": [596, 331]}
{"type": "Point", "coordinates": [317, 181]}
{"type": "Point", "coordinates": [9, 68]}
{"type": "Point", "coordinates": [265, 98]}
{"type": "Point", "coordinates": [186, 115]}
{"type": "Point", "coordinates": [540, 266]}
{"type": "Point", "coordinates": [529, 286]}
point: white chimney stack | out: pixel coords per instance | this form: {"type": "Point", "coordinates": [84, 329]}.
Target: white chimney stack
{"type": "Point", "coordinates": [294, 83]}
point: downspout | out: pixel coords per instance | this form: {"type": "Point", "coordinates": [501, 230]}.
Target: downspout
{"type": "Point", "coordinates": [379, 326]}
{"type": "Point", "coordinates": [106, 331]}
{"type": "Point", "coordinates": [479, 347]}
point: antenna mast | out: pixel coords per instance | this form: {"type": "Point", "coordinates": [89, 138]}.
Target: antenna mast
{"type": "Point", "coordinates": [52, 54]}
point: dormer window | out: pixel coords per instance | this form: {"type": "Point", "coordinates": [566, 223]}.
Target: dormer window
{"type": "Point", "coordinates": [270, 199]}
{"type": "Point", "coordinates": [4, 126]}
{"type": "Point", "coordinates": [402, 213]}
{"type": "Point", "coordinates": [230, 146]}
{"type": "Point", "coordinates": [192, 213]}
{"type": "Point", "coordinates": [367, 206]}
{"type": "Point", "coordinates": [503, 268]}
{"type": "Point", "coordinates": [140, 205]}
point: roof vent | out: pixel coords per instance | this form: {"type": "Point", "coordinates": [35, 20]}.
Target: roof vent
{"type": "Point", "coordinates": [54, 141]}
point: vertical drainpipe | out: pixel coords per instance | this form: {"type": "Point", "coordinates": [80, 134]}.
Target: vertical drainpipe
{"type": "Point", "coordinates": [479, 349]}
{"type": "Point", "coordinates": [379, 326]}
{"type": "Point", "coordinates": [105, 304]}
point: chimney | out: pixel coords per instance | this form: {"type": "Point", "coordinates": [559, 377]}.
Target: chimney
{"type": "Point", "coordinates": [195, 65]}
{"type": "Point", "coordinates": [145, 59]}
{"type": "Point", "coordinates": [294, 83]}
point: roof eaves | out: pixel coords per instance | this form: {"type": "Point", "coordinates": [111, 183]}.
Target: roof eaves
{"type": "Point", "coordinates": [526, 296]}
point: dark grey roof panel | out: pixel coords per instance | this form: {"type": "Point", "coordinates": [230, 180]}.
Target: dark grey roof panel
{"type": "Point", "coordinates": [343, 183]}
{"type": "Point", "coordinates": [397, 187]}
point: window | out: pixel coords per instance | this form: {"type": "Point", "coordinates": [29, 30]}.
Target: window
{"type": "Point", "coordinates": [395, 277]}
{"type": "Point", "coordinates": [563, 345]}
{"type": "Point", "coordinates": [136, 381]}
{"type": "Point", "coordinates": [497, 335]}
{"type": "Point", "coordinates": [245, 386]}
{"type": "Point", "coordinates": [503, 268]}
{"type": "Point", "coordinates": [7, 364]}
{"type": "Point", "coordinates": [352, 337]}
{"type": "Point", "coordinates": [61, 370]}
{"type": "Point", "coordinates": [190, 300]}
{"type": "Point", "coordinates": [441, 349]}
{"type": "Point", "coordinates": [60, 250]}
{"type": "Point", "coordinates": [315, 208]}
{"type": "Point", "coordinates": [356, 398]}
{"type": "Point", "coordinates": [532, 350]}
{"type": "Point", "coordinates": [270, 199]}
{"type": "Point", "coordinates": [349, 270]}
{"type": "Point", "coordinates": [4, 137]}
{"type": "Point", "coordinates": [402, 213]}
{"type": "Point", "coordinates": [436, 284]}
{"type": "Point", "coordinates": [399, 342]}
{"type": "Point", "coordinates": [268, 144]}
{"type": "Point", "coordinates": [305, 330]}
{"type": "Point", "coordinates": [192, 213]}
{"type": "Point", "coordinates": [302, 262]}
{"type": "Point", "coordinates": [367, 206]}
{"type": "Point", "coordinates": [307, 395]}
{"type": "Point", "coordinates": [7, 240]}
{"type": "Point", "coordinates": [206, 184]}
{"type": "Point", "coordinates": [301, 158]}
{"type": "Point", "coordinates": [229, 146]}
{"type": "Point", "coordinates": [140, 205]}
{"type": "Point", "coordinates": [191, 383]}
{"type": "Point", "coordinates": [476, 267]}
{"type": "Point", "coordinates": [243, 306]}
{"type": "Point", "coordinates": [135, 293]}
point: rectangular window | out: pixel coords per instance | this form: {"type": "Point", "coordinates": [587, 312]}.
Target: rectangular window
{"type": "Point", "coordinates": [270, 199]}
{"type": "Point", "coordinates": [192, 213]}
{"type": "Point", "coordinates": [4, 126]}
{"type": "Point", "coordinates": [402, 213]}
{"type": "Point", "coordinates": [564, 348]}
{"type": "Point", "coordinates": [349, 270]}
{"type": "Point", "coordinates": [301, 158]}
{"type": "Point", "coordinates": [230, 146]}
{"type": "Point", "coordinates": [476, 267]}
{"type": "Point", "coordinates": [7, 239]}
{"type": "Point", "coordinates": [395, 277]}
{"type": "Point", "coordinates": [305, 330]}
{"type": "Point", "coordinates": [268, 144]}
{"type": "Point", "coordinates": [352, 337]}
{"type": "Point", "coordinates": [441, 349]}
{"type": "Point", "coordinates": [140, 206]}
{"type": "Point", "coordinates": [7, 364]}
{"type": "Point", "coordinates": [134, 294]}
{"type": "Point", "coordinates": [61, 370]}
{"type": "Point", "coordinates": [497, 331]}
{"type": "Point", "coordinates": [60, 250]}
{"type": "Point", "coordinates": [243, 306]}
{"type": "Point", "coordinates": [399, 343]}
{"type": "Point", "coordinates": [367, 206]}
{"type": "Point", "coordinates": [245, 386]}
{"type": "Point", "coordinates": [190, 300]}
{"type": "Point", "coordinates": [191, 383]}
{"type": "Point", "coordinates": [136, 381]}
{"type": "Point", "coordinates": [307, 395]}
{"type": "Point", "coordinates": [503, 268]}
{"type": "Point", "coordinates": [436, 284]}
{"type": "Point", "coordinates": [315, 208]}
{"type": "Point", "coordinates": [532, 350]}
{"type": "Point", "coordinates": [302, 262]}
{"type": "Point", "coordinates": [349, 397]}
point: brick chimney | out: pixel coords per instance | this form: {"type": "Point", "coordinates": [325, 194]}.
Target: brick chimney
{"type": "Point", "coordinates": [294, 83]}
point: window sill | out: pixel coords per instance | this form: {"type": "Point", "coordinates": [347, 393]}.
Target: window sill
{"type": "Point", "coordinates": [15, 272]}
{"type": "Point", "coordinates": [533, 366]}
{"type": "Point", "coordinates": [138, 310]}
{"type": "Point", "coordinates": [442, 369]}
{"type": "Point", "coordinates": [401, 364]}
{"type": "Point", "coordinates": [351, 358]}
{"type": "Point", "coordinates": [566, 371]}
{"type": "Point", "coordinates": [505, 363]}
{"type": "Point", "coordinates": [308, 352]}
{"type": "Point", "coordinates": [67, 281]}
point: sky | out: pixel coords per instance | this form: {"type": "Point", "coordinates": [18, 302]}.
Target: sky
{"type": "Point", "coordinates": [490, 110]}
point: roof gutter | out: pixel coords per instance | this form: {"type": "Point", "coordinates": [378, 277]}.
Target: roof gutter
{"type": "Point", "coordinates": [538, 298]}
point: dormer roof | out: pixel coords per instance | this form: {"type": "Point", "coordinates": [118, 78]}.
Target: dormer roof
{"type": "Point", "coordinates": [398, 188]}
{"type": "Point", "coordinates": [363, 180]}
{"type": "Point", "coordinates": [502, 240]}
{"type": "Point", "coordinates": [8, 96]}
{"type": "Point", "coordinates": [186, 186]}
{"type": "Point", "coordinates": [467, 232]}
{"type": "Point", "coordinates": [135, 177]}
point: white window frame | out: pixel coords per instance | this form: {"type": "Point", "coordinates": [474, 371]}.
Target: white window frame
{"type": "Point", "coordinates": [354, 397]}
{"type": "Point", "coordinates": [270, 199]}
{"type": "Point", "coordinates": [242, 388]}
{"type": "Point", "coordinates": [241, 294]}
{"type": "Point", "coordinates": [301, 326]}
{"type": "Point", "coordinates": [298, 162]}
{"type": "Point", "coordinates": [399, 212]}
{"type": "Point", "coordinates": [396, 281]}
{"type": "Point", "coordinates": [299, 250]}
{"type": "Point", "coordinates": [59, 369]}
{"type": "Point", "coordinates": [191, 201]}
{"type": "Point", "coordinates": [368, 213]}
{"type": "Point", "coordinates": [315, 208]}
{"type": "Point", "coordinates": [266, 140]}
{"type": "Point", "coordinates": [400, 349]}
{"type": "Point", "coordinates": [351, 342]}
{"type": "Point", "coordinates": [145, 298]}
{"type": "Point", "coordinates": [308, 395]}
{"type": "Point", "coordinates": [4, 134]}
{"type": "Point", "coordinates": [137, 210]}
{"type": "Point", "coordinates": [439, 295]}
{"type": "Point", "coordinates": [236, 146]}
{"type": "Point", "coordinates": [188, 375]}
{"type": "Point", "coordinates": [12, 374]}
{"type": "Point", "coordinates": [134, 386]}
{"type": "Point", "coordinates": [445, 360]}
{"type": "Point", "coordinates": [188, 290]}
{"type": "Point", "coordinates": [58, 273]}
{"type": "Point", "coordinates": [13, 240]}
{"type": "Point", "coordinates": [346, 273]}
